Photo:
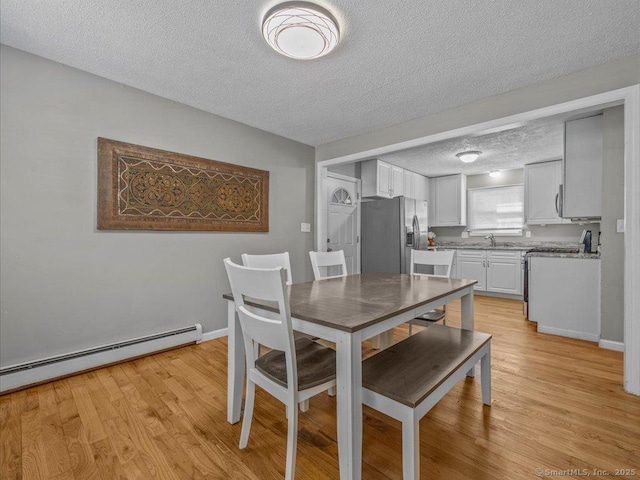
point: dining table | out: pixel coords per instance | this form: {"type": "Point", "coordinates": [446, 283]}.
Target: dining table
{"type": "Point", "coordinates": [348, 310]}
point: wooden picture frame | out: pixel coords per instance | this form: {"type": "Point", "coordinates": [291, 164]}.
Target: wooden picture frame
{"type": "Point", "coordinates": [143, 188]}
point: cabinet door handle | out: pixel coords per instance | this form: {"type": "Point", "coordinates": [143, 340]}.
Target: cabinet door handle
{"type": "Point", "coordinates": [557, 207]}
{"type": "Point", "coordinates": [561, 200]}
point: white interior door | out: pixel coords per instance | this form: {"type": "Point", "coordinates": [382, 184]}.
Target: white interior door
{"type": "Point", "coordinates": [343, 221]}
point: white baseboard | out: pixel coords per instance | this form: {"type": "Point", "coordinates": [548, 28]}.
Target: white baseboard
{"type": "Point", "coordinates": [611, 345]}
{"type": "Point", "coordinates": [591, 337]}
{"type": "Point", "coordinates": [45, 369]}
{"type": "Point", "coordinates": [223, 332]}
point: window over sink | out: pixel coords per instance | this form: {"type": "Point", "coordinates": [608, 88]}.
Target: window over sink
{"type": "Point", "coordinates": [497, 210]}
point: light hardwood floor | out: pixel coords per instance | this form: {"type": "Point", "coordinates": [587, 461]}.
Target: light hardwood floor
{"type": "Point", "coordinates": [558, 404]}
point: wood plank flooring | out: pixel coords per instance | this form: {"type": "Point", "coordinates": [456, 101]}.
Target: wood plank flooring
{"type": "Point", "coordinates": [558, 405]}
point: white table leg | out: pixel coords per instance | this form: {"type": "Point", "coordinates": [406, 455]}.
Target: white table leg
{"type": "Point", "coordinates": [349, 404]}
{"type": "Point", "coordinates": [236, 364]}
{"type": "Point", "coordinates": [467, 317]}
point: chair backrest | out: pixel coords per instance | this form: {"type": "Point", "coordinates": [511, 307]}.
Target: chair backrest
{"type": "Point", "coordinates": [276, 333]}
{"type": "Point", "coordinates": [327, 259]}
{"type": "Point", "coordinates": [269, 261]}
{"type": "Point", "coordinates": [441, 261]}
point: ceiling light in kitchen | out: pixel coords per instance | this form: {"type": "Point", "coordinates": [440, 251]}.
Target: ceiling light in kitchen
{"type": "Point", "coordinates": [495, 173]}
{"type": "Point", "coordinates": [469, 156]}
{"type": "Point", "coordinates": [300, 30]}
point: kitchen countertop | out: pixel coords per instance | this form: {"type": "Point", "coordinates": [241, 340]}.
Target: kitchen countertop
{"type": "Point", "coordinates": [521, 246]}
{"type": "Point", "coordinates": [593, 256]}
{"type": "Point", "coordinates": [505, 245]}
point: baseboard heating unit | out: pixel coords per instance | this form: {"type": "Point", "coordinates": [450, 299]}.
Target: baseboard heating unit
{"type": "Point", "coordinates": [38, 371]}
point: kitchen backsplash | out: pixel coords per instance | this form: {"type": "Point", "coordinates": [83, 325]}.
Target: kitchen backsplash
{"type": "Point", "coordinates": [548, 233]}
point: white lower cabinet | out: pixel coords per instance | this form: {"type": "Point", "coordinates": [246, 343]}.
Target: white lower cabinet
{"type": "Point", "coordinates": [498, 271]}
{"type": "Point", "coordinates": [564, 296]}
{"type": "Point", "coordinates": [504, 272]}
{"type": "Point", "coordinates": [472, 264]}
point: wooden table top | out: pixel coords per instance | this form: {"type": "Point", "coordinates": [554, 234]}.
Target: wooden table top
{"type": "Point", "coordinates": [355, 302]}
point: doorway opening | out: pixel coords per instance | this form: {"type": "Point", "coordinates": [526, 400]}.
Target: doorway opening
{"type": "Point", "coordinates": [628, 97]}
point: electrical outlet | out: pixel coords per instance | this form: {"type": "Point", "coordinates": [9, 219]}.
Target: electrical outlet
{"type": "Point", "coordinates": [527, 234]}
{"type": "Point", "coordinates": [619, 226]}
{"type": "Point", "coordinates": [305, 227]}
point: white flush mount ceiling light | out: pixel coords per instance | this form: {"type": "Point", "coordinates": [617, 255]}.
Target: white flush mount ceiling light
{"type": "Point", "coordinates": [468, 157]}
{"type": "Point", "coordinates": [495, 173]}
{"type": "Point", "coordinates": [300, 30]}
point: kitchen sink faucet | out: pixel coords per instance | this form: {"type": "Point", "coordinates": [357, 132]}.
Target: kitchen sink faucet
{"type": "Point", "coordinates": [492, 238]}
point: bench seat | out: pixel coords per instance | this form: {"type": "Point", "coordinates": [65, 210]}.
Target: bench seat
{"type": "Point", "coordinates": [406, 380]}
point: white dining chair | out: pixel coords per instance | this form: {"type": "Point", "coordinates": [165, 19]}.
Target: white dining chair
{"type": "Point", "coordinates": [269, 261]}
{"type": "Point", "coordinates": [332, 260]}
{"type": "Point", "coordinates": [293, 371]}
{"type": "Point", "coordinates": [441, 263]}
{"type": "Point", "coordinates": [328, 260]}
{"type": "Point", "coordinates": [272, 261]}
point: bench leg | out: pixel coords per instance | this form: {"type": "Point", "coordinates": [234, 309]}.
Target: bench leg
{"type": "Point", "coordinates": [411, 449]}
{"type": "Point", "coordinates": [485, 377]}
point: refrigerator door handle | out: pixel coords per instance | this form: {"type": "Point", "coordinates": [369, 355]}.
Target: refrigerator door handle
{"type": "Point", "coordinates": [416, 229]}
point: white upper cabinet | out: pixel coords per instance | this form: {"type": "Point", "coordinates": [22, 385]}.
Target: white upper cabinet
{"type": "Point", "coordinates": [448, 200]}
{"type": "Point", "coordinates": [381, 179]}
{"type": "Point", "coordinates": [424, 181]}
{"type": "Point", "coordinates": [582, 182]}
{"type": "Point", "coordinates": [541, 193]}
{"type": "Point", "coordinates": [416, 186]}
{"type": "Point", "coordinates": [397, 181]}
{"type": "Point", "coordinates": [382, 183]}
{"type": "Point", "coordinates": [408, 184]}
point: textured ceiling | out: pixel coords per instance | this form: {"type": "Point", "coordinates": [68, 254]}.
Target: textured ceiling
{"type": "Point", "coordinates": [396, 61]}
{"type": "Point", "coordinates": [536, 141]}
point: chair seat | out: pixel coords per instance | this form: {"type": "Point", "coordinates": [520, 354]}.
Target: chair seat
{"type": "Point", "coordinates": [316, 364]}
{"type": "Point", "coordinates": [298, 335]}
{"type": "Point", "coordinates": [431, 316]}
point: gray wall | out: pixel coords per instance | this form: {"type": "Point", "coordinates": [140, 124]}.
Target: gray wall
{"type": "Point", "coordinates": [612, 242]}
{"type": "Point", "coordinates": [602, 78]}
{"type": "Point", "coordinates": [66, 286]}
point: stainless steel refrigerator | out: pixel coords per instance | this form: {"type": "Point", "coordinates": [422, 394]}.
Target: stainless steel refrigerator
{"type": "Point", "coordinates": [391, 228]}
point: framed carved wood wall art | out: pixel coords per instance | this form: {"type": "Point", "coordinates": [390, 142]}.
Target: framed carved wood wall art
{"type": "Point", "coordinates": [142, 188]}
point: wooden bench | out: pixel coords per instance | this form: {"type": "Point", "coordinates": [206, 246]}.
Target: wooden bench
{"type": "Point", "coordinates": [406, 380]}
